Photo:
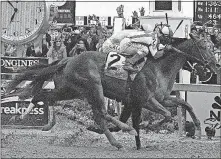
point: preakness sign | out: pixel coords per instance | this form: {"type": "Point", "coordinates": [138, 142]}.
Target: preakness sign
{"type": "Point", "coordinates": [13, 106]}
{"type": "Point", "coordinates": [37, 117]}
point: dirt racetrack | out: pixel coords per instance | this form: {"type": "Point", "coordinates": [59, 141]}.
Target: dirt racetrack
{"type": "Point", "coordinates": [70, 140]}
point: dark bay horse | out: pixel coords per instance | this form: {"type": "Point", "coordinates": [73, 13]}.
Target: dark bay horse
{"type": "Point", "coordinates": [83, 77]}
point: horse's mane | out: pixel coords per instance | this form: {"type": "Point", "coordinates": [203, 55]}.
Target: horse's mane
{"type": "Point", "coordinates": [176, 41]}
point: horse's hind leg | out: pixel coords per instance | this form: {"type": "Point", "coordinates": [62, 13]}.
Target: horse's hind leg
{"type": "Point", "coordinates": [96, 99]}
{"type": "Point", "coordinates": [172, 101]}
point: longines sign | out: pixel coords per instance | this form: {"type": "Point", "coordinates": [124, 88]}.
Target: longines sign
{"type": "Point", "coordinates": [14, 64]}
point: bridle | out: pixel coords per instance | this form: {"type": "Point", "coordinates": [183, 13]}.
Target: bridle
{"type": "Point", "coordinates": [205, 62]}
{"type": "Point", "coordinates": [202, 61]}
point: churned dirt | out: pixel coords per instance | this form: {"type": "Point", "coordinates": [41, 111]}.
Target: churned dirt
{"type": "Point", "coordinates": [69, 139]}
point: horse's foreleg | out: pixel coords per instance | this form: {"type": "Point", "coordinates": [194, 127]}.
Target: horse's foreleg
{"type": "Point", "coordinates": [173, 101]}
{"type": "Point", "coordinates": [136, 118]}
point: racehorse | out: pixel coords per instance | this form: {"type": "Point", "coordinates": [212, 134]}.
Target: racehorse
{"type": "Point", "coordinates": [83, 76]}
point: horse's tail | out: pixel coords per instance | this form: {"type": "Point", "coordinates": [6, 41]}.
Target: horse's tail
{"type": "Point", "coordinates": [37, 74]}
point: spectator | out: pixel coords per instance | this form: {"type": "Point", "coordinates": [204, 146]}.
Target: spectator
{"type": "Point", "coordinates": [216, 38]}
{"type": "Point", "coordinates": [11, 50]}
{"type": "Point", "coordinates": [100, 42]}
{"type": "Point", "coordinates": [80, 47]}
{"type": "Point", "coordinates": [45, 45]}
{"type": "Point", "coordinates": [75, 37]}
{"type": "Point", "coordinates": [57, 51]}
{"type": "Point", "coordinates": [30, 52]}
{"type": "Point", "coordinates": [66, 33]}
{"type": "Point", "coordinates": [210, 44]}
{"type": "Point", "coordinates": [94, 39]}
{"type": "Point", "coordinates": [48, 39]}
{"type": "Point", "coordinates": [69, 45]}
{"type": "Point", "coordinates": [109, 33]}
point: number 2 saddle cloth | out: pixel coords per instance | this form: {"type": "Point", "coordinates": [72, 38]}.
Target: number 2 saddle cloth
{"type": "Point", "coordinates": [114, 66]}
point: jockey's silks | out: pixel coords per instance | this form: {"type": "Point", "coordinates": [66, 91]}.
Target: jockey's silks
{"type": "Point", "coordinates": [130, 42]}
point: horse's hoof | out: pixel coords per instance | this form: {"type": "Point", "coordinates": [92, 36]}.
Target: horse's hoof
{"type": "Point", "coordinates": [133, 132]}
{"type": "Point", "coordinates": [144, 124]}
{"type": "Point", "coordinates": [118, 145]}
{"type": "Point", "coordinates": [138, 147]}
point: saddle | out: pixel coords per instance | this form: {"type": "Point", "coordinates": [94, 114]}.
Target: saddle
{"type": "Point", "coordinates": [114, 66]}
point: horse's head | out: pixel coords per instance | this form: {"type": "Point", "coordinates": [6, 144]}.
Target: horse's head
{"type": "Point", "coordinates": [204, 54]}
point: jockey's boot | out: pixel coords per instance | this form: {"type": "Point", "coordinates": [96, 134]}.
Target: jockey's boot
{"type": "Point", "coordinates": [131, 61]}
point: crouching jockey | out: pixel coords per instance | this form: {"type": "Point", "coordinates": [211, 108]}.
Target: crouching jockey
{"type": "Point", "coordinates": [139, 44]}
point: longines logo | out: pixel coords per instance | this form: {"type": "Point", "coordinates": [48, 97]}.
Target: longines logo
{"type": "Point", "coordinates": [17, 62]}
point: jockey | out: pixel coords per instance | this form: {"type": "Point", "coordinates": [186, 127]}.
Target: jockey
{"type": "Point", "coordinates": [139, 44]}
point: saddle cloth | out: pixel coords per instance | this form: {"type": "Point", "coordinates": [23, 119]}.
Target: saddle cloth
{"type": "Point", "coordinates": [114, 66]}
